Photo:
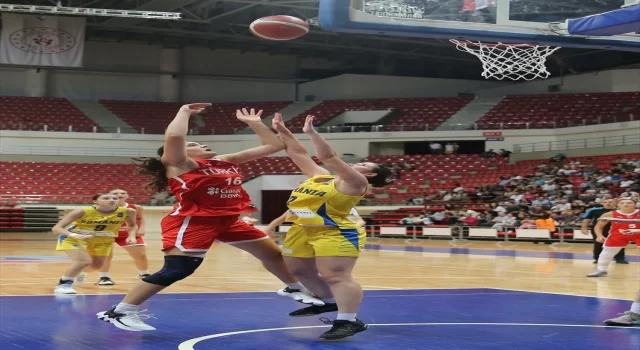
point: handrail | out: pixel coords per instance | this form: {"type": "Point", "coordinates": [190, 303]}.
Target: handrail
{"type": "Point", "coordinates": [593, 142]}
{"type": "Point", "coordinates": [481, 125]}
{"type": "Point", "coordinates": [78, 151]}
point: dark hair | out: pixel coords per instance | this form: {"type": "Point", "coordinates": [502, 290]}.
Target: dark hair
{"type": "Point", "coordinates": [154, 167]}
{"type": "Point", "coordinates": [95, 197]}
{"type": "Point", "coordinates": [382, 178]}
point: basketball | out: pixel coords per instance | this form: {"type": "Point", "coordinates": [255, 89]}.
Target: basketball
{"type": "Point", "coordinates": [279, 28]}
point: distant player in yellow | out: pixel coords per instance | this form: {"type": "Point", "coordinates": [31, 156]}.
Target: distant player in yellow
{"type": "Point", "coordinates": [87, 236]}
{"type": "Point", "coordinates": [323, 244]}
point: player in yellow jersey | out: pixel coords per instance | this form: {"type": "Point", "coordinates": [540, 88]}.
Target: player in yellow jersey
{"type": "Point", "coordinates": [86, 235]}
{"type": "Point", "coordinates": [323, 244]}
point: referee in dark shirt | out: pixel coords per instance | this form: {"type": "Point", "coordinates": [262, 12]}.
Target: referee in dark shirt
{"type": "Point", "coordinates": [590, 221]}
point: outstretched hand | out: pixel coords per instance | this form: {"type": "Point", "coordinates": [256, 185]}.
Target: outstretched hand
{"type": "Point", "coordinates": [308, 125]}
{"type": "Point", "coordinates": [194, 107]}
{"type": "Point", "coordinates": [278, 124]}
{"type": "Point", "coordinates": [249, 116]}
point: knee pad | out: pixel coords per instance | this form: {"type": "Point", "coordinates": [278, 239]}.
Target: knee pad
{"type": "Point", "coordinates": [176, 268]}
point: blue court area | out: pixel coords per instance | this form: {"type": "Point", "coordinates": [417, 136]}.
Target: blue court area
{"type": "Point", "coordinates": [402, 319]}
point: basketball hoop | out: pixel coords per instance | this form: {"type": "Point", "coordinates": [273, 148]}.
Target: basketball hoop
{"type": "Point", "coordinates": [511, 61]}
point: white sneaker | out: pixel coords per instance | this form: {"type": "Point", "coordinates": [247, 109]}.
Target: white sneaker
{"type": "Point", "coordinates": [301, 296]}
{"type": "Point", "coordinates": [128, 320]}
{"type": "Point", "coordinates": [598, 274]}
{"type": "Point", "coordinates": [65, 288]}
{"type": "Point", "coordinates": [105, 281]}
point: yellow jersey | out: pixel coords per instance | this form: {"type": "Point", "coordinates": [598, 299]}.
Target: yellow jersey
{"type": "Point", "coordinates": [317, 202]}
{"type": "Point", "coordinates": [100, 224]}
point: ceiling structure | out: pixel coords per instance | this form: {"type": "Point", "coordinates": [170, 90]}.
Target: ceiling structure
{"type": "Point", "coordinates": [224, 25]}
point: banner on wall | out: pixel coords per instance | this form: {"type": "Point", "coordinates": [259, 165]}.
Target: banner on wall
{"type": "Point", "coordinates": [42, 40]}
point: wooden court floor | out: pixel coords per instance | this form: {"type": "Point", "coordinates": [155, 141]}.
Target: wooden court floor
{"type": "Point", "coordinates": [29, 265]}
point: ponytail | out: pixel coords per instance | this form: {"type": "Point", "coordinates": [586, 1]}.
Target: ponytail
{"type": "Point", "coordinates": [153, 167]}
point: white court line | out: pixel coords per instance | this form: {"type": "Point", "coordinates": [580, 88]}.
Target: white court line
{"type": "Point", "coordinates": [189, 344]}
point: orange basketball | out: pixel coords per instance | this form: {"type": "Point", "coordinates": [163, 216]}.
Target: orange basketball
{"type": "Point", "coordinates": [279, 28]}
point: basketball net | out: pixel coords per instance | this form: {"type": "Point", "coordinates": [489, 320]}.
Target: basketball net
{"type": "Point", "coordinates": [509, 61]}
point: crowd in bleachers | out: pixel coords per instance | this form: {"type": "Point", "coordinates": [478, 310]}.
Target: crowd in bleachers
{"type": "Point", "coordinates": [556, 194]}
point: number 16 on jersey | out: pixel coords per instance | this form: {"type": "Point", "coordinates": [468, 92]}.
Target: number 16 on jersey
{"type": "Point", "coordinates": [234, 181]}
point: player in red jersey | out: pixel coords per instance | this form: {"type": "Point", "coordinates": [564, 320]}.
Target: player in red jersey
{"type": "Point", "coordinates": [210, 198]}
{"type": "Point", "coordinates": [624, 230]}
{"type": "Point", "coordinates": [627, 226]}
{"type": "Point", "coordinates": [137, 251]}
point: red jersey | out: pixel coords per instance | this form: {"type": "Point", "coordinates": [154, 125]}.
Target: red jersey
{"type": "Point", "coordinates": [212, 189]}
{"type": "Point", "coordinates": [123, 229]}
{"type": "Point", "coordinates": [624, 228]}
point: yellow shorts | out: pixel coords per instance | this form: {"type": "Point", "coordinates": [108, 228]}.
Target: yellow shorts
{"type": "Point", "coordinates": [97, 246]}
{"type": "Point", "coordinates": [310, 242]}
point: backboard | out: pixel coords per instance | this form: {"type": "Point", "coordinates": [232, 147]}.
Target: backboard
{"type": "Point", "coordinates": [540, 22]}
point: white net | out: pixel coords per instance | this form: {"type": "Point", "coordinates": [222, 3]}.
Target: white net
{"type": "Point", "coordinates": [509, 61]}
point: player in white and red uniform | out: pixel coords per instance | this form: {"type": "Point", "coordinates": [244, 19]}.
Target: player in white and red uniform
{"type": "Point", "coordinates": [210, 199]}
{"type": "Point", "coordinates": [137, 251]}
{"type": "Point", "coordinates": [624, 230]}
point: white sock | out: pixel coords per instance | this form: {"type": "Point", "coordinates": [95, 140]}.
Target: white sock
{"type": "Point", "coordinates": [104, 274]}
{"type": "Point", "coordinates": [635, 307]}
{"type": "Point", "coordinates": [123, 307]}
{"type": "Point", "coordinates": [346, 317]}
{"type": "Point", "coordinates": [144, 272]}
{"type": "Point", "coordinates": [606, 257]}
{"type": "Point", "coordinates": [329, 300]}
{"type": "Point", "coordinates": [65, 278]}
{"type": "Point", "coordinates": [295, 285]}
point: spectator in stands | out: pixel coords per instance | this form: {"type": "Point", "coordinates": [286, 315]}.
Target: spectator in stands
{"type": "Point", "coordinates": [468, 220]}
{"type": "Point", "coordinates": [436, 148]}
{"type": "Point", "coordinates": [504, 153]}
{"type": "Point", "coordinates": [489, 154]}
{"type": "Point", "coordinates": [448, 148]}
{"type": "Point", "coordinates": [408, 220]}
{"type": "Point", "coordinates": [502, 220]}
{"type": "Point", "coordinates": [542, 201]}
{"type": "Point", "coordinates": [546, 222]}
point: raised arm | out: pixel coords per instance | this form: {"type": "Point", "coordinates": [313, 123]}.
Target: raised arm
{"type": "Point", "coordinates": [270, 142]}
{"type": "Point", "coordinates": [328, 156]}
{"type": "Point", "coordinates": [175, 149]}
{"type": "Point", "coordinates": [296, 151]}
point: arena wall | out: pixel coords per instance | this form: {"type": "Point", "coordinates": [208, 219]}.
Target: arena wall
{"type": "Point", "coordinates": [111, 72]}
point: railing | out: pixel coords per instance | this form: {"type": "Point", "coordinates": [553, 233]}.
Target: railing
{"type": "Point", "coordinates": [78, 151]}
{"type": "Point", "coordinates": [68, 199]}
{"type": "Point", "coordinates": [336, 129]}
{"type": "Point", "coordinates": [595, 142]}
{"type": "Point", "coordinates": [465, 235]}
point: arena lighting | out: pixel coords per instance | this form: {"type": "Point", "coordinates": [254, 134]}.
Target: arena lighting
{"type": "Point", "coordinates": [59, 10]}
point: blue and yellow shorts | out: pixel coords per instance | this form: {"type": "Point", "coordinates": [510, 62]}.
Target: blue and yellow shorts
{"type": "Point", "coordinates": [311, 242]}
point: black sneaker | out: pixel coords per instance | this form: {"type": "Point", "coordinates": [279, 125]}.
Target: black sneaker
{"type": "Point", "coordinates": [105, 281]}
{"type": "Point", "coordinates": [315, 310]}
{"type": "Point", "coordinates": [343, 328]}
{"type": "Point", "coordinates": [622, 262]}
